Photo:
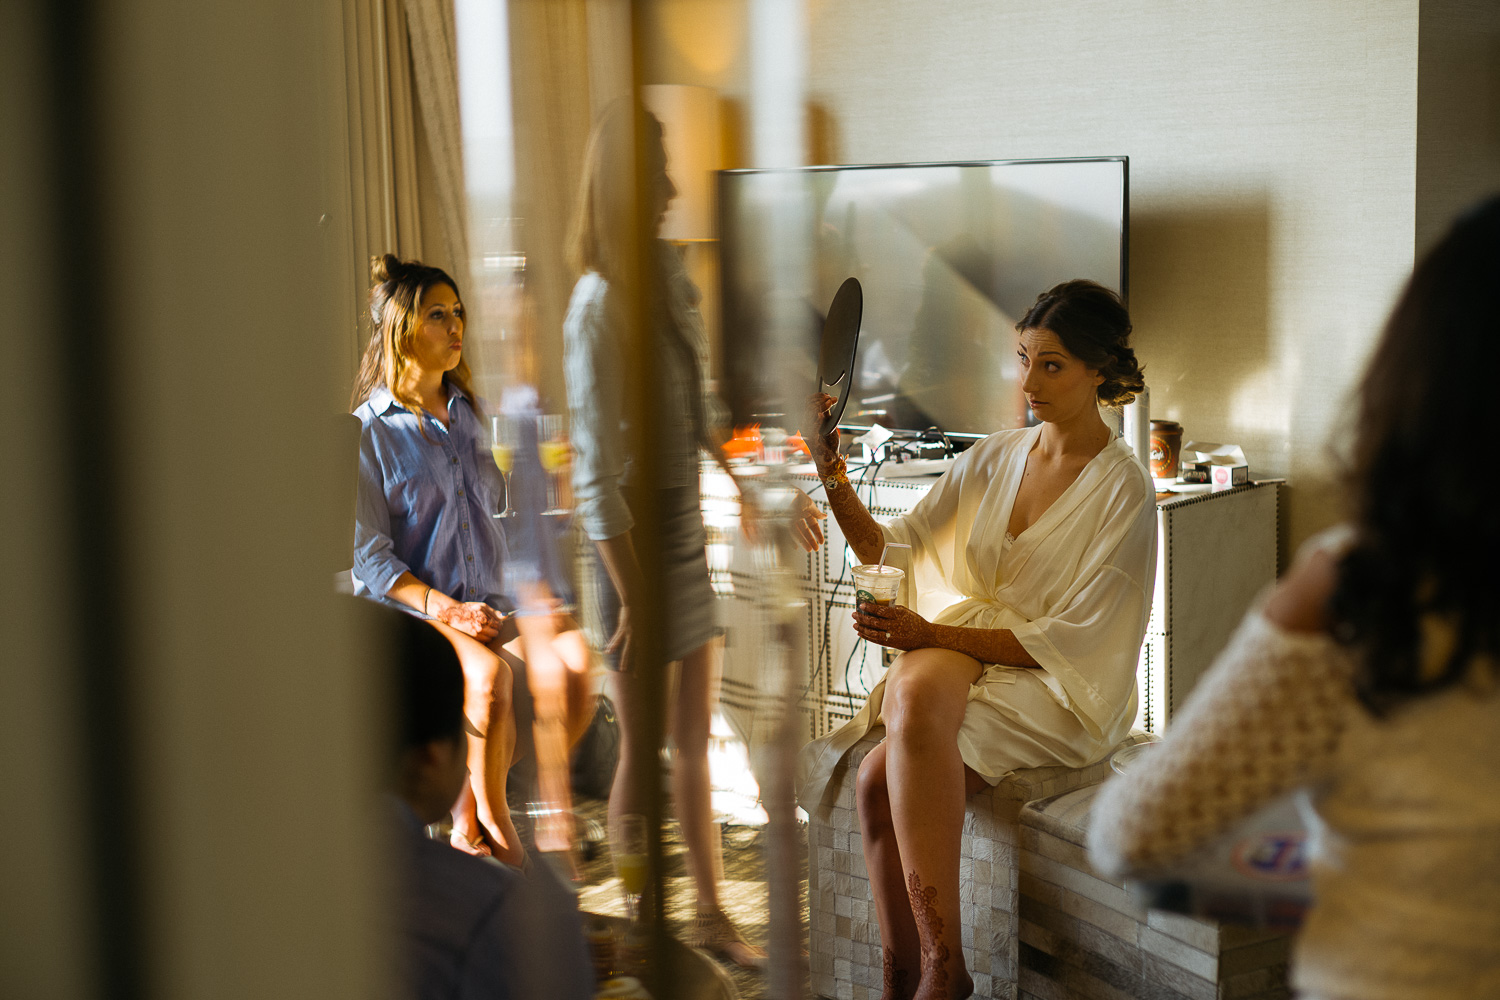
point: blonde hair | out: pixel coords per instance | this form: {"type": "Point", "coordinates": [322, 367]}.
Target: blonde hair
{"type": "Point", "coordinates": [396, 290]}
{"type": "Point", "coordinates": [602, 217]}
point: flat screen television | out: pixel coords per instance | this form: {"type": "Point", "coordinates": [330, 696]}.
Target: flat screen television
{"type": "Point", "coordinates": [949, 255]}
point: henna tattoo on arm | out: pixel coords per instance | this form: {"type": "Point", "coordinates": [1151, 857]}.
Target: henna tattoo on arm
{"type": "Point", "coordinates": [860, 529]}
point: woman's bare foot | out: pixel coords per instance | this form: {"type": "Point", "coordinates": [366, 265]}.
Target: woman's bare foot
{"type": "Point", "coordinates": [468, 834]}
{"type": "Point", "coordinates": [942, 986]}
{"type": "Point", "coordinates": [943, 974]}
{"type": "Point", "coordinates": [716, 934]}
{"type": "Point", "coordinates": [501, 835]}
{"type": "Point", "coordinates": [895, 978]}
{"type": "Point", "coordinates": [469, 843]}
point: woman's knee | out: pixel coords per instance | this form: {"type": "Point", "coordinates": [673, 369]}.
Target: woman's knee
{"type": "Point", "coordinates": [919, 693]}
{"type": "Point", "coordinates": [488, 680]}
{"type": "Point", "coordinates": [872, 797]}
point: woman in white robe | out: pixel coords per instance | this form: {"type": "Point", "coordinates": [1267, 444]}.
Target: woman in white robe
{"type": "Point", "coordinates": [1032, 565]}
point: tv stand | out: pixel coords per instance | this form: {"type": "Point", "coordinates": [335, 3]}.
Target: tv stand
{"type": "Point", "coordinates": [1215, 552]}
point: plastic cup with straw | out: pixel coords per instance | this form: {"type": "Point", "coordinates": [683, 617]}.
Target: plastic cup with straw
{"type": "Point", "coordinates": [879, 583]}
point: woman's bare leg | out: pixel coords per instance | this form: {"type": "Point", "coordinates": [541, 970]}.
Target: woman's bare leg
{"type": "Point", "coordinates": [925, 698]}
{"type": "Point", "coordinates": [691, 791]}
{"type": "Point", "coordinates": [628, 694]}
{"type": "Point", "coordinates": [692, 785]}
{"type": "Point", "coordinates": [900, 946]}
{"type": "Point", "coordinates": [572, 648]}
{"type": "Point", "coordinates": [488, 675]}
{"type": "Point", "coordinates": [557, 667]}
{"type": "Point", "coordinates": [690, 718]}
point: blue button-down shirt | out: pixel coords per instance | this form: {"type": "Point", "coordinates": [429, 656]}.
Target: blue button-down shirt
{"type": "Point", "coordinates": [425, 504]}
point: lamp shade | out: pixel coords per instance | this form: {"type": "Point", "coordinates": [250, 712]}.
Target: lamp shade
{"type": "Point", "coordinates": [689, 118]}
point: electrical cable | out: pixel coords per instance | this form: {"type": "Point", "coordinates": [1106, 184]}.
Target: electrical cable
{"type": "Point", "coordinates": [818, 665]}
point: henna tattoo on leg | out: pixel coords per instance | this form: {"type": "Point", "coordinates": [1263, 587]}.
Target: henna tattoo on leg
{"type": "Point", "coordinates": [929, 930]}
{"type": "Point", "coordinates": [894, 979]}
{"type": "Point", "coordinates": [936, 979]}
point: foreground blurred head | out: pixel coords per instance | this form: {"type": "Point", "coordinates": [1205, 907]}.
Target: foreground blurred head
{"type": "Point", "coordinates": [429, 711]}
{"type": "Point", "coordinates": [1419, 594]}
{"type": "Point", "coordinates": [417, 320]}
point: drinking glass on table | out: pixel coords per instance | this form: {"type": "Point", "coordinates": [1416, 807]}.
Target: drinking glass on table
{"type": "Point", "coordinates": [630, 861]}
{"type": "Point", "coordinates": [503, 447]}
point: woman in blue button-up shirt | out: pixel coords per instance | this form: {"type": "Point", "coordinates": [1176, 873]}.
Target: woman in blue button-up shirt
{"type": "Point", "coordinates": [425, 538]}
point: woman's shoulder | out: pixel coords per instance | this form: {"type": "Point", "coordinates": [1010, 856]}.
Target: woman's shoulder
{"type": "Point", "coordinates": [1299, 600]}
{"type": "Point", "coordinates": [1129, 476]}
{"type": "Point", "coordinates": [588, 294]}
{"type": "Point", "coordinates": [374, 405]}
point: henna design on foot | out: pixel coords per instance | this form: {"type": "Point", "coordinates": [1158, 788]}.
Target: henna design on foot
{"type": "Point", "coordinates": [893, 980]}
{"type": "Point", "coordinates": [929, 931]}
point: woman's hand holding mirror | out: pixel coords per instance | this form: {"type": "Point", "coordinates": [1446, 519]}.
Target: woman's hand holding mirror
{"type": "Point", "coordinates": [824, 447]}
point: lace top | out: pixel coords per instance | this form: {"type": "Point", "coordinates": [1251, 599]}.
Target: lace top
{"type": "Point", "coordinates": [1266, 719]}
{"type": "Point", "coordinates": [1405, 853]}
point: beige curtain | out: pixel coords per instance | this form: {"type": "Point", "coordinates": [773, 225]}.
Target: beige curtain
{"type": "Point", "coordinates": [403, 144]}
{"type": "Point", "coordinates": [434, 62]}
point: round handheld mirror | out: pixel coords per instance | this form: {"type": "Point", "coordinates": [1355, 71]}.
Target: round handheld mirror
{"type": "Point", "coordinates": [836, 355]}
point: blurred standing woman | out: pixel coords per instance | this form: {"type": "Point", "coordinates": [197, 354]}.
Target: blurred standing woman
{"type": "Point", "coordinates": [607, 485]}
{"type": "Point", "coordinates": [1367, 677]}
{"type": "Point", "coordinates": [425, 540]}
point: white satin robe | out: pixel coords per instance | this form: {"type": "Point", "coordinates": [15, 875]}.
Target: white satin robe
{"type": "Point", "coordinates": [1075, 589]}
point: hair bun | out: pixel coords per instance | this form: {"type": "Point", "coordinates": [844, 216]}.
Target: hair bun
{"type": "Point", "coordinates": [386, 267]}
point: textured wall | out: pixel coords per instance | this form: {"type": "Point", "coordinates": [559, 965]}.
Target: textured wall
{"type": "Point", "coordinates": [1458, 111]}
{"type": "Point", "coordinates": [1273, 159]}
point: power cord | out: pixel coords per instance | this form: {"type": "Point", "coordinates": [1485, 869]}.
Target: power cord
{"type": "Point", "coordinates": [865, 475]}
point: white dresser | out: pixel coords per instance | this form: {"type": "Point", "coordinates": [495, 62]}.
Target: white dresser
{"type": "Point", "coordinates": [1215, 552]}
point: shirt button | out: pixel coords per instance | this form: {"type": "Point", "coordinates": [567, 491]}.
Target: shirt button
{"type": "Point", "coordinates": [455, 459]}
{"type": "Point", "coordinates": [460, 492]}
{"type": "Point", "coordinates": [470, 558]}
{"type": "Point", "coordinates": [466, 525]}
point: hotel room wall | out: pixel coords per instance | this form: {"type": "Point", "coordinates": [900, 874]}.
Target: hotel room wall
{"type": "Point", "coordinates": [1273, 169]}
{"type": "Point", "coordinates": [1458, 111]}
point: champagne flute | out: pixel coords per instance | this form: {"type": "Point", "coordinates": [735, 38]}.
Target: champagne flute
{"type": "Point", "coordinates": [553, 452]}
{"type": "Point", "coordinates": [503, 449]}
{"type": "Point", "coordinates": [630, 861]}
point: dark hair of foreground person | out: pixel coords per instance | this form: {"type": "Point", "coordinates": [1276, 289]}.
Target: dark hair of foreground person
{"type": "Point", "coordinates": [1422, 572]}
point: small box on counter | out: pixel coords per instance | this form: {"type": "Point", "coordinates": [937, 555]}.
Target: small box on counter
{"type": "Point", "coordinates": [1197, 472]}
{"type": "Point", "coordinates": [1227, 477]}
{"type": "Point", "coordinates": [1222, 466]}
